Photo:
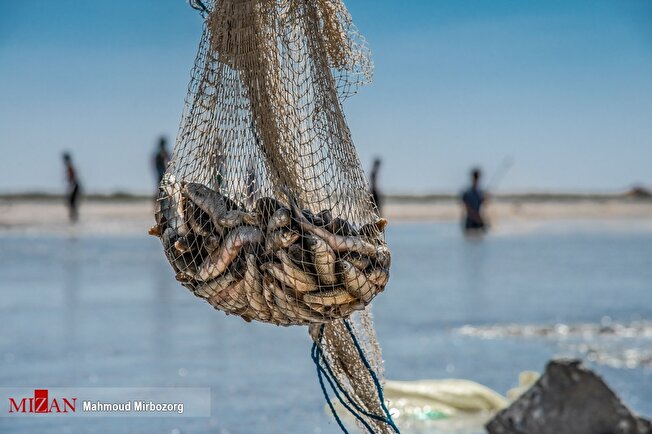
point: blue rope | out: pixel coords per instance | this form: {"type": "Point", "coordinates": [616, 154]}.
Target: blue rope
{"type": "Point", "coordinates": [198, 5]}
{"type": "Point", "coordinates": [320, 371]}
{"type": "Point", "coordinates": [379, 388]}
{"type": "Point", "coordinates": [352, 401]}
{"type": "Point", "coordinates": [317, 357]}
{"type": "Point", "coordinates": [323, 389]}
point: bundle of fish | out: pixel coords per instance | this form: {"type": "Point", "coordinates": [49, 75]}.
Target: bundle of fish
{"type": "Point", "coordinates": [277, 263]}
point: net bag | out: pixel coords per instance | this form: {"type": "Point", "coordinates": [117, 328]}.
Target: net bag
{"type": "Point", "coordinates": [264, 210]}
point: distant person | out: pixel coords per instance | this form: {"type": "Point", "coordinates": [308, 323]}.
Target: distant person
{"type": "Point", "coordinates": [375, 193]}
{"type": "Point", "coordinates": [473, 198]}
{"type": "Point", "coordinates": [73, 189]}
{"type": "Point", "coordinates": [161, 159]}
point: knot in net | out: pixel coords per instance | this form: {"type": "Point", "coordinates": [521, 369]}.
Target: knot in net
{"type": "Point", "coordinates": [264, 210]}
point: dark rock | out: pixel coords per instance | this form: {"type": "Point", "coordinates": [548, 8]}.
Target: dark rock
{"type": "Point", "coordinates": [568, 399]}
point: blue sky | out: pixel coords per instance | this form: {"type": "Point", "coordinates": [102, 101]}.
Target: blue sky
{"type": "Point", "coordinates": [562, 88]}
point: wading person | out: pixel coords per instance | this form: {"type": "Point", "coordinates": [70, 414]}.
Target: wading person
{"type": "Point", "coordinates": [73, 188]}
{"type": "Point", "coordinates": [373, 179]}
{"type": "Point", "coordinates": [161, 160]}
{"type": "Point", "coordinates": [473, 199]}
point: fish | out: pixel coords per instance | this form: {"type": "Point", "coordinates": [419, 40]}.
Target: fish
{"type": "Point", "coordinates": [290, 309]}
{"type": "Point", "coordinates": [278, 271]}
{"type": "Point", "coordinates": [199, 221]}
{"type": "Point", "coordinates": [154, 231]}
{"type": "Point", "coordinates": [211, 243]}
{"type": "Point", "coordinates": [329, 297]}
{"type": "Point", "coordinates": [231, 299]}
{"type": "Point", "coordinates": [170, 204]}
{"type": "Point", "coordinates": [383, 256]}
{"type": "Point", "coordinates": [280, 219]}
{"type": "Point", "coordinates": [212, 287]}
{"type": "Point", "coordinates": [299, 254]}
{"type": "Point", "coordinates": [236, 217]}
{"type": "Point", "coordinates": [356, 283]}
{"type": "Point", "coordinates": [378, 276]}
{"type": "Point", "coordinates": [359, 261]}
{"type": "Point", "coordinates": [254, 290]}
{"type": "Point", "coordinates": [340, 226]}
{"type": "Point", "coordinates": [324, 259]}
{"type": "Point", "coordinates": [209, 201]}
{"type": "Point", "coordinates": [280, 239]}
{"type": "Point", "coordinates": [217, 262]}
{"type": "Point", "coordinates": [180, 263]}
{"type": "Point", "coordinates": [266, 206]}
{"type": "Point", "coordinates": [325, 215]}
{"type": "Point", "coordinates": [373, 230]}
{"type": "Point", "coordinates": [312, 218]}
{"type": "Point", "coordinates": [181, 244]}
{"type": "Point", "coordinates": [339, 243]}
{"type": "Point", "coordinates": [268, 293]}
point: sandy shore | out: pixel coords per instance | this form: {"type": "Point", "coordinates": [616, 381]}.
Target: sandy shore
{"type": "Point", "coordinates": [135, 216]}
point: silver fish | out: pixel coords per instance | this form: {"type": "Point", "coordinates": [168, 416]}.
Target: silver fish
{"type": "Point", "coordinates": [266, 206]}
{"type": "Point", "coordinates": [289, 307]}
{"type": "Point", "coordinates": [325, 215]}
{"type": "Point", "coordinates": [299, 254]}
{"type": "Point", "coordinates": [359, 261]}
{"type": "Point", "coordinates": [324, 259]}
{"type": "Point", "coordinates": [217, 262]}
{"type": "Point", "coordinates": [181, 244]}
{"type": "Point", "coordinates": [211, 243]}
{"type": "Point", "coordinates": [179, 262]}
{"type": "Point", "coordinates": [170, 206]}
{"type": "Point", "coordinates": [340, 226]}
{"type": "Point", "coordinates": [330, 297]}
{"type": "Point", "coordinates": [231, 299]}
{"type": "Point", "coordinates": [356, 283]}
{"type": "Point", "coordinates": [280, 239]}
{"type": "Point", "coordinates": [281, 218]}
{"type": "Point", "coordinates": [339, 243]}
{"type": "Point", "coordinates": [383, 256]}
{"type": "Point", "coordinates": [236, 217]}
{"type": "Point", "coordinates": [268, 292]}
{"type": "Point", "coordinates": [374, 230]}
{"type": "Point", "coordinates": [378, 276]}
{"type": "Point", "coordinates": [279, 272]}
{"type": "Point", "coordinates": [210, 201]}
{"type": "Point", "coordinates": [198, 220]}
{"type": "Point", "coordinates": [254, 290]}
{"type": "Point", "coordinates": [212, 287]}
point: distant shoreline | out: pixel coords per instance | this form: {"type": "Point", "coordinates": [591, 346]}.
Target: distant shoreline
{"type": "Point", "coordinates": [133, 215]}
{"type": "Point", "coordinates": [390, 198]}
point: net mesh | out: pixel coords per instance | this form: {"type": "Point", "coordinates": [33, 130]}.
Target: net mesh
{"type": "Point", "coordinates": [265, 210]}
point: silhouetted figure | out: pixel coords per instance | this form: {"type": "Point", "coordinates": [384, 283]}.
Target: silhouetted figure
{"type": "Point", "coordinates": [473, 199]}
{"type": "Point", "coordinates": [161, 159]}
{"type": "Point", "coordinates": [373, 178]}
{"type": "Point", "coordinates": [74, 188]}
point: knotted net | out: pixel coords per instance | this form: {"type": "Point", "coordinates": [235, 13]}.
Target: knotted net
{"type": "Point", "coordinates": [265, 210]}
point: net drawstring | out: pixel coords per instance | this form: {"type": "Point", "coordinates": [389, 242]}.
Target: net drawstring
{"type": "Point", "coordinates": [324, 370]}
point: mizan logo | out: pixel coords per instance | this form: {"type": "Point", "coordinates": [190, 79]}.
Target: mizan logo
{"type": "Point", "coordinates": [41, 403]}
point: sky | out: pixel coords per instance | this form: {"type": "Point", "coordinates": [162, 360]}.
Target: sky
{"type": "Point", "coordinates": [562, 89]}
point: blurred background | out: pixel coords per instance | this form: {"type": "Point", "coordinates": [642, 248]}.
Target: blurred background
{"type": "Point", "coordinates": [551, 102]}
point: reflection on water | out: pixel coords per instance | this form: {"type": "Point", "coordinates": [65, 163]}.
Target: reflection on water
{"type": "Point", "coordinates": [106, 311]}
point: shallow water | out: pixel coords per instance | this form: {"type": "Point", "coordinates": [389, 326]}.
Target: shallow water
{"type": "Point", "coordinates": [107, 312]}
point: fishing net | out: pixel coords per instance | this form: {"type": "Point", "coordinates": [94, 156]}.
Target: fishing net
{"type": "Point", "coordinates": [264, 210]}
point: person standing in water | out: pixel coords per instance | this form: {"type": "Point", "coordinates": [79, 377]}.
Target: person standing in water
{"type": "Point", "coordinates": [473, 199]}
{"type": "Point", "coordinates": [161, 159]}
{"type": "Point", "coordinates": [373, 179]}
{"type": "Point", "coordinates": [74, 188]}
